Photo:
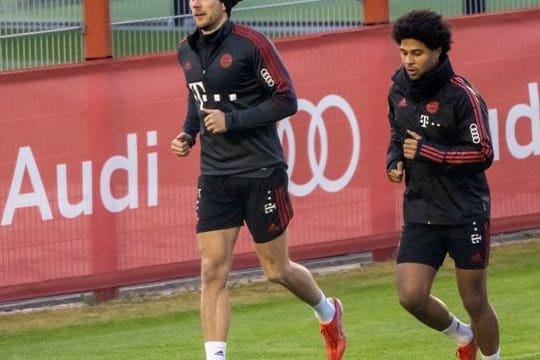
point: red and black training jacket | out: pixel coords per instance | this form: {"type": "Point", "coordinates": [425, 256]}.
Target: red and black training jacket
{"type": "Point", "coordinates": [238, 71]}
{"type": "Point", "coordinates": [446, 182]}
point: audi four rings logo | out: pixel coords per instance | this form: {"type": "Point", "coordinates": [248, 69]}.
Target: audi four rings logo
{"type": "Point", "coordinates": [474, 133]}
{"type": "Point", "coordinates": [267, 77]}
{"type": "Point", "coordinates": [318, 164]}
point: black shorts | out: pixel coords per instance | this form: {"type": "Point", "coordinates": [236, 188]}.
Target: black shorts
{"type": "Point", "coordinates": [468, 244]}
{"type": "Point", "coordinates": [229, 201]}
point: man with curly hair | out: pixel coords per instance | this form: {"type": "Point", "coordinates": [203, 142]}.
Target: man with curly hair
{"type": "Point", "coordinates": [440, 142]}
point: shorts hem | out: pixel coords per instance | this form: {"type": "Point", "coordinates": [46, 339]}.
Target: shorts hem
{"type": "Point", "coordinates": [216, 228]}
{"type": "Point", "coordinates": [273, 237]}
{"type": "Point", "coordinates": [427, 263]}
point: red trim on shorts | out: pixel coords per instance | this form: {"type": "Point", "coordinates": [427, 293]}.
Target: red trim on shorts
{"type": "Point", "coordinates": [283, 207]}
{"type": "Point", "coordinates": [487, 243]}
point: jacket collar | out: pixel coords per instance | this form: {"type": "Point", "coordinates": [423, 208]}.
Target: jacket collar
{"type": "Point", "coordinates": [428, 85]}
{"type": "Point", "coordinates": [216, 38]}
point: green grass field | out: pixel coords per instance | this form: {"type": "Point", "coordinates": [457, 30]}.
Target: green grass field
{"type": "Point", "coordinates": [268, 323]}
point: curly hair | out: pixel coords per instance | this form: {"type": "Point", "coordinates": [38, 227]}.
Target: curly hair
{"type": "Point", "coordinates": [426, 26]}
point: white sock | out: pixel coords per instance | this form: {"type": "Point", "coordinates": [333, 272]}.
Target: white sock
{"type": "Point", "coordinates": [495, 356]}
{"type": "Point", "coordinates": [215, 350]}
{"type": "Point", "coordinates": [324, 310]}
{"type": "Point", "coordinates": [459, 331]}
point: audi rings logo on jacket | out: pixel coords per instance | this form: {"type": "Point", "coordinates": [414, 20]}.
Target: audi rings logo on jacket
{"type": "Point", "coordinates": [318, 164]}
{"type": "Point", "coordinates": [267, 77]}
{"type": "Point", "coordinates": [475, 134]}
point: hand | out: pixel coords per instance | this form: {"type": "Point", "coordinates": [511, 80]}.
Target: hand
{"type": "Point", "coordinates": [396, 175]}
{"type": "Point", "coordinates": [214, 121]}
{"type": "Point", "coordinates": [410, 145]}
{"type": "Point", "coordinates": [180, 145]}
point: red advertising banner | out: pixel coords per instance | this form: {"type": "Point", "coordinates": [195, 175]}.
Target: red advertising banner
{"type": "Point", "coordinates": [91, 197]}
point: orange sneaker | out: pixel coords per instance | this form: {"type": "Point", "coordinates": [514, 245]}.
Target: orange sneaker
{"type": "Point", "coordinates": [334, 334]}
{"type": "Point", "coordinates": [467, 352]}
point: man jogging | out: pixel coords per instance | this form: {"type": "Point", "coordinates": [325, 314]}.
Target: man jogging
{"type": "Point", "coordinates": [440, 142]}
{"type": "Point", "coordinates": [238, 90]}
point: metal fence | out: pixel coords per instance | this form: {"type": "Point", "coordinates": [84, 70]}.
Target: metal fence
{"type": "Point", "coordinates": [39, 33]}
{"type": "Point", "coordinates": [46, 32]}
{"type": "Point", "coordinates": [275, 19]}
{"type": "Point", "coordinates": [457, 7]}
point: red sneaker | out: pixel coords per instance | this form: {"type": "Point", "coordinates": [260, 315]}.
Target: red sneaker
{"type": "Point", "coordinates": [334, 334]}
{"type": "Point", "coordinates": [467, 352]}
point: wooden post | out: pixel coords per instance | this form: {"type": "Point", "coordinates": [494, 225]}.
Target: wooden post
{"type": "Point", "coordinates": [97, 30]}
{"type": "Point", "coordinates": [376, 12]}
{"type": "Point", "coordinates": [97, 45]}
{"type": "Point", "coordinates": [103, 224]}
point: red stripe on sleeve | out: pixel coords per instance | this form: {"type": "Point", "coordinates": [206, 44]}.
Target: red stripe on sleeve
{"type": "Point", "coordinates": [475, 104]}
{"type": "Point", "coordinates": [268, 55]}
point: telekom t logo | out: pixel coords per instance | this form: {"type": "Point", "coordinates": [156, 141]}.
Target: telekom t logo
{"type": "Point", "coordinates": [424, 121]}
{"type": "Point", "coordinates": [197, 88]}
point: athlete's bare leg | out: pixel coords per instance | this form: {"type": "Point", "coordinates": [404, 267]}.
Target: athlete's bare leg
{"type": "Point", "coordinates": [472, 285]}
{"type": "Point", "coordinates": [216, 248]}
{"type": "Point", "coordinates": [278, 268]}
{"type": "Point", "coordinates": [414, 283]}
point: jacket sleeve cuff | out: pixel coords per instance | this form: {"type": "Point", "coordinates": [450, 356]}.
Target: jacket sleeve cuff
{"type": "Point", "coordinates": [230, 121]}
{"type": "Point", "coordinates": [420, 145]}
{"type": "Point", "coordinates": [189, 138]}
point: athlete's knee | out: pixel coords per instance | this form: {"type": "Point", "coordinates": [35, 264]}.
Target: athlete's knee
{"type": "Point", "coordinates": [214, 272]}
{"type": "Point", "coordinates": [277, 274]}
{"type": "Point", "coordinates": [476, 304]}
{"type": "Point", "coordinates": [412, 301]}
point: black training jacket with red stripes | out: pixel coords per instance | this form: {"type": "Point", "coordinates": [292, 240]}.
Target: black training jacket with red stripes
{"type": "Point", "coordinates": [238, 71]}
{"type": "Point", "coordinates": [445, 182]}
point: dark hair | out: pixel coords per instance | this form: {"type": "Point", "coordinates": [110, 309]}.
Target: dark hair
{"type": "Point", "coordinates": [426, 26]}
{"type": "Point", "coordinates": [229, 4]}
